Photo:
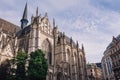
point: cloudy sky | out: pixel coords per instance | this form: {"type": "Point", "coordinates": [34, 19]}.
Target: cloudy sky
{"type": "Point", "coordinates": [91, 22]}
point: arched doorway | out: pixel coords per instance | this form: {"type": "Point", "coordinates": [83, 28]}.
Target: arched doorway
{"type": "Point", "coordinates": [46, 47]}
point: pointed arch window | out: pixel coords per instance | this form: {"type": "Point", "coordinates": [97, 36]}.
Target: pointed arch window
{"type": "Point", "coordinates": [68, 55]}
{"type": "Point", "coordinates": [46, 47]}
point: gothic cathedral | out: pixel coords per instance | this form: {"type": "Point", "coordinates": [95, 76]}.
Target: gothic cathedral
{"type": "Point", "coordinates": [66, 60]}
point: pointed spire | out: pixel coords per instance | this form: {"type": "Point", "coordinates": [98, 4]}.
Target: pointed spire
{"type": "Point", "coordinates": [37, 12]}
{"type": "Point", "coordinates": [114, 39]}
{"type": "Point", "coordinates": [82, 47]}
{"type": "Point", "coordinates": [25, 12]}
{"type": "Point", "coordinates": [46, 14]}
{"type": "Point", "coordinates": [24, 19]}
{"type": "Point", "coordinates": [53, 22]}
{"type": "Point", "coordinates": [71, 40]}
{"type": "Point", "coordinates": [77, 44]}
{"type": "Point", "coordinates": [63, 34]}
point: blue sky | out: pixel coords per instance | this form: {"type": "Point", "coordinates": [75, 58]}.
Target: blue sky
{"type": "Point", "coordinates": [91, 22]}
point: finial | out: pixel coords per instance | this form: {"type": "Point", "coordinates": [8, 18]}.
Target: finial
{"type": "Point", "coordinates": [63, 34]}
{"type": "Point", "coordinates": [37, 12]}
{"type": "Point", "coordinates": [53, 22]}
{"type": "Point", "coordinates": [46, 14]}
{"type": "Point", "coordinates": [77, 44]}
{"type": "Point", "coordinates": [114, 39]}
{"type": "Point", "coordinates": [82, 47]}
{"type": "Point", "coordinates": [71, 40]}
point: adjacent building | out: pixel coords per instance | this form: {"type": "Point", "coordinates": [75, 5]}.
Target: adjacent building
{"type": "Point", "coordinates": [65, 57]}
{"type": "Point", "coordinates": [111, 60]}
{"type": "Point", "coordinates": [94, 71]}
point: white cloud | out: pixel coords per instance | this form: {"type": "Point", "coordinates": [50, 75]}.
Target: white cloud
{"type": "Point", "coordinates": [93, 27]}
{"type": "Point", "coordinates": [80, 19]}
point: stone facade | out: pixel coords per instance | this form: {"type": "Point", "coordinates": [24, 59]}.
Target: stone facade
{"type": "Point", "coordinates": [115, 57]}
{"type": "Point", "coordinates": [94, 72]}
{"type": "Point", "coordinates": [111, 60]}
{"type": "Point", "coordinates": [66, 60]}
{"type": "Point", "coordinates": [7, 40]}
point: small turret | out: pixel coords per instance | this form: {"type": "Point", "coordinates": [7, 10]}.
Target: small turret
{"type": "Point", "coordinates": [77, 45]}
{"type": "Point", "coordinates": [71, 40]}
{"type": "Point", "coordinates": [32, 18]}
{"type": "Point", "coordinates": [37, 12]}
{"type": "Point", "coordinates": [64, 38]}
{"type": "Point", "coordinates": [46, 15]}
{"type": "Point", "coordinates": [114, 39]}
{"type": "Point", "coordinates": [24, 19]}
{"type": "Point", "coordinates": [53, 22]}
{"type": "Point", "coordinates": [83, 49]}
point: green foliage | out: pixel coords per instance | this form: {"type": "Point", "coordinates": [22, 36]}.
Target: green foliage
{"type": "Point", "coordinates": [38, 66]}
{"type": "Point", "coordinates": [15, 69]}
{"type": "Point", "coordinates": [19, 72]}
{"type": "Point", "coordinates": [4, 70]}
{"type": "Point", "coordinates": [20, 61]}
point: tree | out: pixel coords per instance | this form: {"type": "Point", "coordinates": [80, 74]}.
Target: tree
{"type": "Point", "coordinates": [38, 66]}
{"type": "Point", "coordinates": [18, 72]}
{"type": "Point", "coordinates": [4, 69]}
{"type": "Point", "coordinates": [20, 62]}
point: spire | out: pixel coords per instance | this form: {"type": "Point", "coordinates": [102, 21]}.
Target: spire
{"type": "Point", "coordinates": [25, 12]}
{"type": "Point", "coordinates": [46, 14]}
{"type": "Point", "coordinates": [63, 34]}
{"type": "Point", "coordinates": [114, 39]}
{"type": "Point", "coordinates": [82, 48]}
{"type": "Point", "coordinates": [37, 12]}
{"type": "Point", "coordinates": [24, 19]}
{"type": "Point", "coordinates": [77, 44]}
{"type": "Point", "coordinates": [53, 22]}
{"type": "Point", "coordinates": [71, 40]}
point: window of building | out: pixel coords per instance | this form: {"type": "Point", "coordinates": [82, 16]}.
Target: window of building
{"type": "Point", "coordinates": [68, 55]}
{"type": "Point", "coordinates": [46, 47]}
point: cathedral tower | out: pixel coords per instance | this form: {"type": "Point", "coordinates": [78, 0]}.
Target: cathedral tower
{"type": "Point", "coordinates": [24, 19]}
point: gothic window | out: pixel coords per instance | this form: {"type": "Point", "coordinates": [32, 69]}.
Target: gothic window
{"type": "Point", "coordinates": [81, 63]}
{"type": "Point", "coordinates": [47, 50]}
{"type": "Point", "coordinates": [75, 57]}
{"type": "Point", "coordinates": [68, 55]}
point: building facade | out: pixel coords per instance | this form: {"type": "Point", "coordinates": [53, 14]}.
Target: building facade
{"type": "Point", "coordinates": [94, 72]}
{"type": "Point", "coordinates": [111, 60]}
{"type": "Point", "coordinates": [65, 58]}
{"type": "Point", "coordinates": [115, 57]}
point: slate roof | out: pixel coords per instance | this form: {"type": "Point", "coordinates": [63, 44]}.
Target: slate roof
{"type": "Point", "coordinates": [8, 27]}
{"type": "Point", "coordinates": [23, 31]}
